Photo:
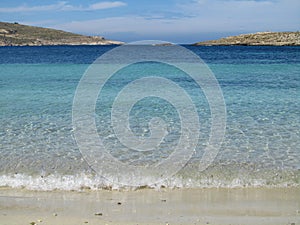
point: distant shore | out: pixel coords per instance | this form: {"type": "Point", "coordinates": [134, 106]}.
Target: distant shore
{"type": "Point", "coordinates": [15, 34]}
{"type": "Point", "coordinates": [256, 39]}
{"type": "Point", "coordinates": [180, 206]}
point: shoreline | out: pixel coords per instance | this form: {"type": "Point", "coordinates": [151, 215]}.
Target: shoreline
{"type": "Point", "coordinates": [184, 44]}
{"type": "Point", "coordinates": [148, 206]}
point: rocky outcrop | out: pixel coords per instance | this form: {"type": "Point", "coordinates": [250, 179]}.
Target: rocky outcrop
{"type": "Point", "coordinates": [260, 38]}
{"type": "Point", "coordinates": [14, 34]}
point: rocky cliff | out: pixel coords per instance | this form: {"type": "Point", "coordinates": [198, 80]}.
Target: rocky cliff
{"type": "Point", "coordinates": [14, 34]}
{"type": "Point", "coordinates": [260, 38]}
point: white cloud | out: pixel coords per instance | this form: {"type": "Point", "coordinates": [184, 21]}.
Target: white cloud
{"type": "Point", "coordinates": [204, 16]}
{"type": "Point", "coordinates": [136, 24]}
{"type": "Point", "coordinates": [24, 8]}
{"type": "Point", "coordinates": [106, 5]}
{"type": "Point", "coordinates": [63, 6]}
{"type": "Point", "coordinates": [228, 16]}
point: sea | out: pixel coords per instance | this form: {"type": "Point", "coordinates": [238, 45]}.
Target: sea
{"type": "Point", "coordinates": [258, 100]}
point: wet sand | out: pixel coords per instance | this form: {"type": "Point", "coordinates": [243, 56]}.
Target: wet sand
{"type": "Point", "coordinates": [180, 206]}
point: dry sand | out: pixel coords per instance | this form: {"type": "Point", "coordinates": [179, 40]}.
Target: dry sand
{"type": "Point", "coordinates": [189, 206]}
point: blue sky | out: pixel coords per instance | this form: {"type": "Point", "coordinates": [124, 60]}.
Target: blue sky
{"type": "Point", "coordinates": [178, 21]}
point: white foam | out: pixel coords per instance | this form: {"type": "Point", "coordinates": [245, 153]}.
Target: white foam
{"type": "Point", "coordinates": [82, 181]}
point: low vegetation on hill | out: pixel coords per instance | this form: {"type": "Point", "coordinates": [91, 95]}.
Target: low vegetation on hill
{"type": "Point", "coordinates": [15, 34]}
{"type": "Point", "coordinates": [260, 38]}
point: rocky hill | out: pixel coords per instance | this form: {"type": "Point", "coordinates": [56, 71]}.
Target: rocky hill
{"type": "Point", "coordinates": [260, 38]}
{"type": "Point", "coordinates": [14, 34]}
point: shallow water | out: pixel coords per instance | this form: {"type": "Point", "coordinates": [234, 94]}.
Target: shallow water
{"type": "Point", "coordinates": [260, 85]}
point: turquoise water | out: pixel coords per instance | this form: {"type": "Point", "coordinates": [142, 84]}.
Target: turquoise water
{"type": "Point", "coordinates": [260, 85]}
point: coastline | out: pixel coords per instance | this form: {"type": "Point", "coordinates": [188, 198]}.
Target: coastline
{"type": "Point", "coordinates": [148, 206]}
{"type": "Point", "coordinates": [257, 39]}
{"type": "Point", "coordinates": [91, 44]}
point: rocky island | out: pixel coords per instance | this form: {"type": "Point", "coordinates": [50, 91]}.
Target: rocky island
{"type": "Point", "coordinates": [260, 38]}
{"type": "Point", "coordinates": [15, 34]}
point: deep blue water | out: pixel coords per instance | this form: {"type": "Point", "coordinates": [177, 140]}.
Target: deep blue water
{"type": "Point", "coordinates": [261, 89]}
{"type": "Point", "coordinates": [210, 54]}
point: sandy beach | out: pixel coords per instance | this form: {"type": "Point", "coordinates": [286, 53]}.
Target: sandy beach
{"type": "Point", "coordinates": [185, 206]}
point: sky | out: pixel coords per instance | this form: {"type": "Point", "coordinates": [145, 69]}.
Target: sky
{"type": "Point", "coordinates": [177, 21]}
